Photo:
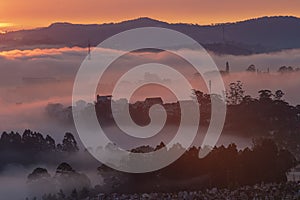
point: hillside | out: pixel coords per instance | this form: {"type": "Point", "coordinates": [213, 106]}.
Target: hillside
{"type": "Point", "coordinates": [264, 34]}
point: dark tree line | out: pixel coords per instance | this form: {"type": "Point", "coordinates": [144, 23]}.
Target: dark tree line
{"type": "Point", "coordinates": [65, 184]}
{"type": "Point", "coordinates": [223, 167]}
{"type": "Point", "coordinates": [32, 147]}
{"type": "Point", "coordinates": [36, 142]}
{"type": "Point", "coordinates": [267, 115]}
{"type": "Point", "coordinates": [287, 69]}
{"type": "Point", "coordinates": [283, 69]}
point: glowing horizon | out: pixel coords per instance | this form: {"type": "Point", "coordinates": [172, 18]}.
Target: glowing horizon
{"type": "Point", "coordinates": [33, 13]}
{"type": "Point", "coordinates": [6, 27]}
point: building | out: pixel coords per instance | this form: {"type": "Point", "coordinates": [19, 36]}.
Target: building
{"type": "Point", "coordinates": [154, 100]}
{"type": "Point", "coordinates": [227, 67]}
{"type": "Point", "coordinates": [104, 99]}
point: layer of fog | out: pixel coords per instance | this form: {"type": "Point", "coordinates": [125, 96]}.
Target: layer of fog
{"type": "Point", "coordinates": [14, 178]}
{"type": "Point", "coordinates": [31, 79]}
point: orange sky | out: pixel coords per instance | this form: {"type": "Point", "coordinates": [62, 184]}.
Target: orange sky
{"type": "Point", "coordinates": [16, 14]}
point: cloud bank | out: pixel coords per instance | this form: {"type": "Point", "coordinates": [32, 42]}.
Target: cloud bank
{"type": "Point", "coordinates": [30, 79]}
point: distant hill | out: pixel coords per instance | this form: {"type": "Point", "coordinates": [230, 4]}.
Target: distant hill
{"type": "Point", "coordinates": [259, 35]}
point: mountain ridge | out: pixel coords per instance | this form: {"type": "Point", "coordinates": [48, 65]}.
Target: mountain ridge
{"type": "Point", "coordinates": [257, 35]}
{"type": "Point", "coordinates": [178, 23]}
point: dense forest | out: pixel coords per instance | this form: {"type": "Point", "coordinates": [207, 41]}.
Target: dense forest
{"type": "Point", "coordinates": [224, 167]}
{"type": "Point", "coordinates": [32, 147]}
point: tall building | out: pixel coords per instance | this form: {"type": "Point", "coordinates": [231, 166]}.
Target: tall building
{"type": "Point", "coordinates": [227, 67]}
{"type": "Point", "coordinates": [89, 50]}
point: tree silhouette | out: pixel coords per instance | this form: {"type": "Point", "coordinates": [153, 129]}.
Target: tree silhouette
{"type": "Point", "coordinates": [235, 94]}
{"type": "Point", "coordinates": [278, 95]}
{"type": "Point", "coordinates": [284, 69]}
{"type": "Point", "coordinates": [265, 96]}
{"type": "Point", "coordinates": [50, 143]}
{"type": "Point", "coordinates": [74, 195]}
{"type": "Point", "coordinates": [69, 143]}
{"type": "Point", "coordinates": [38, 173]}
{"type": "Point", "coordinates": [251, 68]}
{"type": "Point", "coordinates": [61, 195]}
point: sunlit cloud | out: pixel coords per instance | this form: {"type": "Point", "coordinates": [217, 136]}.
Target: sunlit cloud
{"type": "Point", "coordinates": [4, 27]}
{"type": "Point", "coordinates": [3, 24]}
{"type": "Point", "coordinates": [14, 54]}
